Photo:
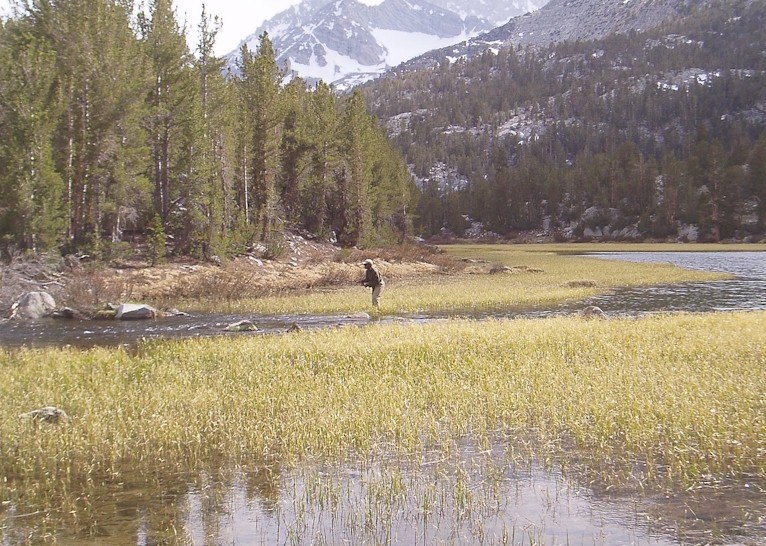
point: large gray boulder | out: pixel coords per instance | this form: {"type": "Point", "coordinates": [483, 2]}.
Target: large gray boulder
{"type": "Point", "coordinates": [135, 311]}
{"type": "Point", "coordinates": [33, 305]}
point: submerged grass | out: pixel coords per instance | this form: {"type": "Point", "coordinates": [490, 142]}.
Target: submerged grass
{"type": "Point", "coordinates": [682, 394]}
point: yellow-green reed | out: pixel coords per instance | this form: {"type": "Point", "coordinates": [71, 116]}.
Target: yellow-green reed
{"type": "Point", "coordinates": [683, 394]}
{"type": "Point", "coordinates": [537, 275]}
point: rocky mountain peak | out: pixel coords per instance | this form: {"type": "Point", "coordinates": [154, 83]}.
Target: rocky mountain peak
{"type": "Point", "coordinates": [346, 42]}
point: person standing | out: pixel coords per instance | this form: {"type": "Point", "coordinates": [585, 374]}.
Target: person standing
{"type": "Point", "coordinates": [373, 279]}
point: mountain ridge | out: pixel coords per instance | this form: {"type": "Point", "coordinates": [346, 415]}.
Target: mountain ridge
{"type": "Point", "coordinates": [560, 21]}
{"type": "Point", "coordinates": [651, 133]}
{"type": "Point", "coordinates": [346, 42]}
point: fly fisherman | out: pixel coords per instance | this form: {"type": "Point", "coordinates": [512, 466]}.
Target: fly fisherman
{"type": "Point", "coordinates": [373, 279]}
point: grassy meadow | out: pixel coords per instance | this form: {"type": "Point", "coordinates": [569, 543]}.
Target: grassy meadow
{"type": "Point", "coordinates": [538, 276]}
{"type": "Point", "coordinates": [666, 401]}
{"type": "Point", "coordinates": [683, 393]}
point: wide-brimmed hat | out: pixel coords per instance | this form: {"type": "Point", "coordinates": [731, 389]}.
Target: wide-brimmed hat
{"type": "Point", "coordinates": [367, 262]}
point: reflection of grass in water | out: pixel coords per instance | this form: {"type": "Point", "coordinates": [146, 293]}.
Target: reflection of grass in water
{"type": "Point", "coordinates": [456, 494]}
{"type": "Point", "coordinates": [538, 275]}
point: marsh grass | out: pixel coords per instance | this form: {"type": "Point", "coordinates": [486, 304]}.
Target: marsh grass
{"type": "Point", "coordinates": [535, 276]}
{"type": "Point", "coordinates": [668, 401]}
{"type": "Point", "coordinates": [681, 394]}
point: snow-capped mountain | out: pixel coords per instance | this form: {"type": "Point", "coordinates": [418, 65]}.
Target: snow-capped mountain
{"type": "Point", "coordinates": [494, 11]}
{"type": "Point", "coordinates": [347, 42]}
{"type": "Point", "coordinates": [564, 20]}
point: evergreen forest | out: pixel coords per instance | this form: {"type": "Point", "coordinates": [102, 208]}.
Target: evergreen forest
{"type": "Point", "coordinates": [115, 129]}
{"type": "Point", "coordinates": [635, 136]}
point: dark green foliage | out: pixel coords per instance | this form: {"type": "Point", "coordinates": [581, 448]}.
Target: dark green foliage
{"type": "Point", "coordinates": [158, 241]}
{"type": "Point", "coordinates": [113, 129]}
{"type": "Point", "coordinates": [655, 128]}
{"type": "Point", "coordinates": [31, 214]}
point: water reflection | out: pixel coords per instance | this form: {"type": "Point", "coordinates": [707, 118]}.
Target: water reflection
{"type": "Point", "coordinates": [464, 495]}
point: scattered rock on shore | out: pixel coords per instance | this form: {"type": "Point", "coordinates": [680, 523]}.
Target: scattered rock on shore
{"type": "Point", "coordinates": [33, 305]}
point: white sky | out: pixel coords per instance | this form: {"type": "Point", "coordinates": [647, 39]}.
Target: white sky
{"type": "Point", "coordinates": [240, 18]}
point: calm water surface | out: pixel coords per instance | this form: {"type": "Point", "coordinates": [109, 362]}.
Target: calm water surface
{"type": "Point", "coordinates": [747, 291]}
{"type": "Point", "coordinates": [462, 496]}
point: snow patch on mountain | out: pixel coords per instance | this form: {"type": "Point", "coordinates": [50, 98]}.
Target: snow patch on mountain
{"type": "Point", "coordinates": [398, 47]}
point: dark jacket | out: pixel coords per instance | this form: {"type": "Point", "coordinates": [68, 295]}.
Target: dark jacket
{"type": "Point", "coordinates": [372, 278]}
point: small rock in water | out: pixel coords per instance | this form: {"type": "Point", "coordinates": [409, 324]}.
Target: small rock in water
{"type": "Point", "coordinates": [65, 313]}
{"type": "Point", "coordinates": [135, 311]}
{"type": "Point", "coordinates": [593, 311]}
{"type": "Point", "coordinates": [242, 326]}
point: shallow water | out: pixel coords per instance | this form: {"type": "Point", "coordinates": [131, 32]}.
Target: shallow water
{"type": "Point", "coordinates": [50, 332]}
{"type": "Point", "coordinates": [747, 291]}
{"type": "Point", "coordinates": [461, 496]}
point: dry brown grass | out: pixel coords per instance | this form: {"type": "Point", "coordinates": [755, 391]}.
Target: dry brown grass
{"type": "Point", "coordinates": [304, 266]}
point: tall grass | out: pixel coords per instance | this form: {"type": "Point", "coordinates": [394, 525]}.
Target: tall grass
{"type": "Point", "coordinates": [681, 395]}
{"type": "Point", "coordinates": [535, 276]}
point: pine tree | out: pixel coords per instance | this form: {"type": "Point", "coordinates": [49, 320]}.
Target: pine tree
{"type": "Point", "coordinates": [323, 140]}
{"type": "Point", "coordinates": [172, 108]}
{"type": "Point", "coordinates": [214, 160]}
{"type": "Point", "coordinates": [31, 216]}
{"type": "Point", "coordinates": [293, 153]}
{"type": "Point", "coordinates": [262, 111]}
{"type": "Point", "coordinates": [97, 147]}
{"type": "Point", "coordinates": [357, 130]}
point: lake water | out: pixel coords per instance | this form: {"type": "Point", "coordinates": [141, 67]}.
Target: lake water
{"type": "Point", "coordinates": [747, 291]}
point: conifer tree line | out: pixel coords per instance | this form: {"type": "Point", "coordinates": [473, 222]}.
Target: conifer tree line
{"type": "Point", "coordinates": [651, 130]}
{"type": "Point", "coordinates": [112, 126]}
